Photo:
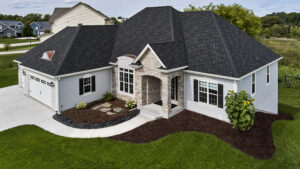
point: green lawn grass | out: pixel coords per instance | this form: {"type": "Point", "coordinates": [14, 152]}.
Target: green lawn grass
{"type": "Point", "coordinates": [16, 48]}
{"type": "Point", "coordinates": [31, 147]}
{"type": "Point", "coordinates": [8, 70]}
{"type": "Point", "coordinates": [11, 40]}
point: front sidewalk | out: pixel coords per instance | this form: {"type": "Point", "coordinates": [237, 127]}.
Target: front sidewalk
{"type": "Point", "coordinates": [18, 109]}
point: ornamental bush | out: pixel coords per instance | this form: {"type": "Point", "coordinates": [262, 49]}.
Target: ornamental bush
{"type": "Point", "coordinates": [81, 105]}
{"type": "Point", "coordinates": [130, 104]}
{"type": "Point", "coordinates": [240, 110]}
{"type": "Point", "coordinates": [108, 97]}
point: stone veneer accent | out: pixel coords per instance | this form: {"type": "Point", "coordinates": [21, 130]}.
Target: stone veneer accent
{"type": "Point", "coordinates": [150, 70]}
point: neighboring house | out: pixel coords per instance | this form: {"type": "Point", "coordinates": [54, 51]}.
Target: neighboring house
{"type": "Point", "coordinates": [163, 59]}
{"type": "Point", "coordinates": [39, 28]}
{"type": "Point", "coordinates": [80, 13]}
{"type": "Point", "coordinates": [10, 28]}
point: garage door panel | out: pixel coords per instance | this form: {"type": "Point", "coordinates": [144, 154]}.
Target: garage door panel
{"type": "Point", "coordinates": [39, 91]}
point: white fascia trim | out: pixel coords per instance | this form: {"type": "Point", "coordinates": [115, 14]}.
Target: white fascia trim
{"type": "Point", "coordinates": [143, 52]}
{"type": "Point", "coordinates": [135, 66]}
{"type": "Point", "coordinates": [38, 72]}
{"type": "Point", "coordinates": [18, 62]}
{"type": "Point", "coordinates": [112, 63]}
{"type": "Point", "coordinates": [173, 70]}
{"type": "Point", "coordinates": [211, 75]}
{"type": "Point", "coordinates": [260, 68]}
{"type": "Point", "coordinates": [84, 72]}
{"type": "Point", "coordinates": [227, 77]}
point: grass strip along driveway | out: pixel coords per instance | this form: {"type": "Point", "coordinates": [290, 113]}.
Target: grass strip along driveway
{"type": "Point", "coordinates": [11, 40]}
{"type": "Point", "coordinates": [32, 147]}
{"type": "Point", "coordinates": [8, 70]}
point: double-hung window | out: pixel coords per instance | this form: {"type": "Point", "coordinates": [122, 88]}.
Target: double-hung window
{"type": "Point", "coordinates": [87, 85]}
{"type": "Point", "coordinates": [208, 93]}
{"type": "Point", "coordinates": [253, 81]}
{"type": "Point", "coordinates": [268, 75]}
{"type": "Point", "coordinates": [126, 80]}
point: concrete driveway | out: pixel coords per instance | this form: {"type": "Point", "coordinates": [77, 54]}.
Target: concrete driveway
{"type": "Point", "coordinates": [17, 109]}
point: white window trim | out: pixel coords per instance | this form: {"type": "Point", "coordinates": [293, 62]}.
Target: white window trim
{"type": "Point", "coordinates": [1, 27]}
{"type": "Point", "coordinates": [207, 93]}
{"type": "Point", "coordinates": [84, 77]}
{"type": "Point", "coordinates": [123, 92]}
{"type": "Point", "coordinates": [268, 83]}
{"type": "Point", "coordinates": [252, 94]}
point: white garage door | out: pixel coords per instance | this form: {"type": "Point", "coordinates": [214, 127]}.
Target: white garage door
{"type": "Point", "coordinates": [39, 90]}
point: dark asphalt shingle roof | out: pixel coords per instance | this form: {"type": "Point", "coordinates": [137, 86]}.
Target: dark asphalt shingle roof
{"type": "Point", "coordinates": [76, 49]}
{"type": "Point", "coordinates": [44, 25]}
{"type": "Point", "coordinates": [203, 41]}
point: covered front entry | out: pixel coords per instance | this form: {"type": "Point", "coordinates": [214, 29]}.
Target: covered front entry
{"type": "Point", "coordinates": [151, 92]}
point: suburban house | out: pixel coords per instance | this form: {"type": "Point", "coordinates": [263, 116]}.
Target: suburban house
{"type": "Point", "coordinates": [40, 28]}
{"type": "Point", "coordinates": [163, 59]}
{"type": "Point", "coordinates": [10, 28]}
{"type": "Point", "coordinates": [80, 13]}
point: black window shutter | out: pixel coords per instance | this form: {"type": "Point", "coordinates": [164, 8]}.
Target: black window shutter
{"type": "Point", "coordinates": [196, 93]}
{"type": "Point", "coordinates": [220, 96]}
{"type": "Point", "coordinates": [81, 86]}
{"type": "Point", "coordinates": [93, 84]}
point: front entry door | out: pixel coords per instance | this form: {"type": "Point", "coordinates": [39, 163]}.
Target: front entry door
{"type": "Point", "coordinates": [174, 90]}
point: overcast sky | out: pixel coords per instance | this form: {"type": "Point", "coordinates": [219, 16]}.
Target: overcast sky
{"type": "Point", "coordinates": [127, 8]}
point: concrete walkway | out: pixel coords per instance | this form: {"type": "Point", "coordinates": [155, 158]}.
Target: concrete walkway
{"type": "Point", "coordinates": [18, 109]}
{"type": "Point", "coordinates": [13, 52]}
{"type": "Point", "coordinates": [20, 44]}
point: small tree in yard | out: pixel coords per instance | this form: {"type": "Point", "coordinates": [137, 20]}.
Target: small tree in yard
{"type": "Point", "coordinates": [240, 110]}
{"type": "Point", "coordinates": [27, 31]}
{"type": "Point", "coordinates": [6, 46]}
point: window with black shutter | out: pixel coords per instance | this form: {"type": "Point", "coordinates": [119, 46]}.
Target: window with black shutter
{"type": "Point", "coordinates": [93, 83]}
{"type": "Point", "coordinates": [196, 90]}
{"type": "Point", "coordinates": [220, 96]}
{"type": "Point", "coordinates": [87, 85]}
{"type": "Point", "coordinates": [81, 86]}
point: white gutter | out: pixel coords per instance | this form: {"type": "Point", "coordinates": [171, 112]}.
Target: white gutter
{"type": "Point", "coordinates": [18, 62]}
{"type": "Point", "coordinates": [112, 63]}
{"type": "Point", "coordinates": [87, 71]}
{"type": "Point", "coordinates": [261, 68]}
{"type": "Point", "coordinates": [173, 70]}
{"type": "Point", "coordinates": [41, 73]}
{"type": "Point", "coordinates": [227, 77]}
{"type": "Point", "coordinates": [211, 75]}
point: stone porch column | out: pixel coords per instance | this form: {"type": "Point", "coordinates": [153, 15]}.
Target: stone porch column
{"type": "Point", "coordinates": [166, 95]}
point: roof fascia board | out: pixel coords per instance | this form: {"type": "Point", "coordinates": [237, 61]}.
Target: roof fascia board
{"type": "Point", "coordinates": [38, 72]}
{"type": "Point", "coordinates": [210, 75]}
{"type": "Point", "coordinates": [83, 72]}
{"type": "Point", "coordinates": [260, 68]}
{"type": "Point", "coordinates": [173, 70]}
{"type": "Point", "coordinates": [144, 51]}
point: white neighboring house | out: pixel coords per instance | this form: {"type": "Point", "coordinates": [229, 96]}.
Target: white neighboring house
{"type": "Point", "coordinates": [165, 66]}
{"type": "Point", "coordinates": [80, 13]}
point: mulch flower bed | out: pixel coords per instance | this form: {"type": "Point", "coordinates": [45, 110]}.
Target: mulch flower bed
{"type": "Point", "coordinates": [91, 116]}
{"type": "Point", "coordinates": [257, 142]}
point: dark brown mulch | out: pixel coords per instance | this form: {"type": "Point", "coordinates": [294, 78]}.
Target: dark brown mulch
{"type": "Point", "coordinates": [91, 116]}
{"type": "Point", "coordinates": [256, 142]}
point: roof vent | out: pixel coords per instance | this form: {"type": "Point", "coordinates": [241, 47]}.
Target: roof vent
{"type": "Point", "coordinates": [48, 55]}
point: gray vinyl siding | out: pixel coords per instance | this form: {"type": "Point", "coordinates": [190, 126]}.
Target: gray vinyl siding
{"type": "Point", "coordinates": [69, 89]}
{"type": "Point", "coordinates": [205, 109]}
{"type": "Point", "coordinates": [266, 95]}
{"type": "Point", "coordinates": [4, 33]}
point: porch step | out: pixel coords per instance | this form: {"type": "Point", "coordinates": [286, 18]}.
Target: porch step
{"type": "Point", "coordinates": [150, 114]}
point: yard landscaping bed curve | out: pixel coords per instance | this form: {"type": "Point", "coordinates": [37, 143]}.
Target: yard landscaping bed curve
{"type": "Point", "coordinates": [257, 142]}
{"type": "Point", "coordinates": [98, 114]}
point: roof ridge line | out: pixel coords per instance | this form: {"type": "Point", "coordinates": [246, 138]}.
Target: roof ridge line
{"type": "Point", "coordinates": [172, 25]}
{"type": "Point", "coordinates": [69, 47]}
{"type": "Point", "coordinates": [225, 46]}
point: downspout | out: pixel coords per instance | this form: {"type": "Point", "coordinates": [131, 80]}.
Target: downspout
{"type": "Point", "coordinates": [57, 95]}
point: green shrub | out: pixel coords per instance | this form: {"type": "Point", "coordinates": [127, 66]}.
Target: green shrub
{"type": "Point", "coordinates": [240, 110]}
{"type": "Point", "coordinates": [130, 104]}
{"type": "Point", "coordinates": [81, 105]}
{"type": "Point", "coordinates": [108, 97]}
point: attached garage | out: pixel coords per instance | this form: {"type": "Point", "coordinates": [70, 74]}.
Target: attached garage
{"type": "Point", "coordinates": [41, 90]}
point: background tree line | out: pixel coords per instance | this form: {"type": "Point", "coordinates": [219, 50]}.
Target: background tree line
{"type": "Point", "coordinates": [27, 19]}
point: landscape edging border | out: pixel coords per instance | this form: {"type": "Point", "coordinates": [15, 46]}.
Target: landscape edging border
{"type": "Point", "coordinates": [69, 122]}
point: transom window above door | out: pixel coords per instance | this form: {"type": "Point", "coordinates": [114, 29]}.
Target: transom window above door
{"type": "Point", "coordinates": [126, 80]}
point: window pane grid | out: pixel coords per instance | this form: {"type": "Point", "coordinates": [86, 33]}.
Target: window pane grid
{"type": "Point", "coordinates": [126, 80]}
{"type": "Point", "coordinates": [208, 93]}
{"type": "Point", "coordinates": [87, 85]}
